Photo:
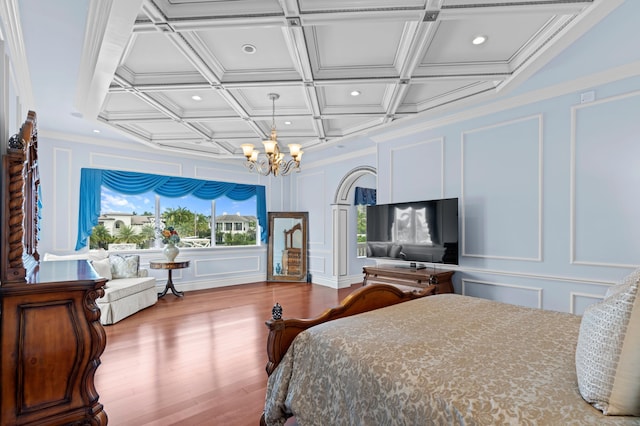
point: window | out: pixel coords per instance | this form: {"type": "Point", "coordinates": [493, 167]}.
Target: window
{"type": "Point", "coordinates": [411, 226]}
{"type": "Point", "coordinates": [361, 233]}
{"type": "Point", "coordinates": [363, 197]}
{"type": "Point", "coordinates": [133, 219]}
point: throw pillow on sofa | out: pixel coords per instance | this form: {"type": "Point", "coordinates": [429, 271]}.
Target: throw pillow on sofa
{"type": "Point", "coordinates": [124, 266]}
{"type": "Point", "coordinates": [103, 268]}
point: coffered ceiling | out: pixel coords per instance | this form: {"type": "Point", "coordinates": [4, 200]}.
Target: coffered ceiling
{"type": "Point", "coordinates": [195, 75]}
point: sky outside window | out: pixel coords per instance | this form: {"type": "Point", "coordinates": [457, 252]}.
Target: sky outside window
{"type": "Point", "coordinates": [114, 202]}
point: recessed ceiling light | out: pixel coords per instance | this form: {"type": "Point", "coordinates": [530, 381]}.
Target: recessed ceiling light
{"type": "Point", "coordinates": [96, 131]}
{"type": "Point", "coordinates": [249, 49]}
{"type": "Point", "coordinates": [355, 93]}
{"type": "Point", "coordinates": [196, 98]}
{"type": "Point", "coordinates": [287, 123]}
{"type": "Point", "coordinates": [480, 39]}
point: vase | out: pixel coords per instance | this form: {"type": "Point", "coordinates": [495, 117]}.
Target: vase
{"type": "Point", "coordinates": [278, 269]}
{"type": "Point", "coordinates": [170, 251]}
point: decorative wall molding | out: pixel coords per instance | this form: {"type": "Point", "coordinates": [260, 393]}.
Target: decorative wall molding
{"type": "Point", "coordinates": [217, 266]}
{"type": "Point", "coordinates": [574, 295]}
{"type": "Point", "coordinates": [416, 146]}
{"type": "Point", "coordinates": [539, 181]}
{"type": "Point", "coordinates": [344, 187]}
{"type": "Point", "coordinates": [530, 275]}
{"type": "Point", "coordinates": [311, 190]}
{"type": "Point", "coordinates": [589, 169]}
{"type": "Point", "coordinates": [536, 290]}
{"type": "Point", "coordinates": [125, 163]}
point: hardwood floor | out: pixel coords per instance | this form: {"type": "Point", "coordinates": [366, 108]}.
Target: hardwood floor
{"type": "Point", "coordinates": [199, 360]}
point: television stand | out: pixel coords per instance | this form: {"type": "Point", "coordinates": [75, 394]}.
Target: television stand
{"type": "Point", "coordinates": [402, 276]}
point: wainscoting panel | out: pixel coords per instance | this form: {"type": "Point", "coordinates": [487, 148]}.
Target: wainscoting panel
{"type": "Point", "coordinates": [120, 162]}
{"type": "Point", "coordinates": [502, 190]}
{"type": "Point", "coordinates": [514, 294]}
{"type": "Point", "coordinates": [580, 301]}
{"type": "Point", "coordinates": [604, 203]}
{"type": "Point", "coordinates": [317, 264]}
{"type": "Point", "coordinates": [425, 161]}
{"type": "Point", "coordinates": [219, 266]}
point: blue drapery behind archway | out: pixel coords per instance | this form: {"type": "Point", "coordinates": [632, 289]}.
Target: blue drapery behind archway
{"type": "Point", "coordinates": [365, 196]}
{"type": "Point", "coordinates": [131, 183]}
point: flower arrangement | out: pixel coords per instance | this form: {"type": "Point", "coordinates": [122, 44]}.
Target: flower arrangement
{"type": "Point", "coordinates": [170, 235]}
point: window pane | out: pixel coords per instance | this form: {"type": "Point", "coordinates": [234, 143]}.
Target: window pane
{"type": "Point", "coordinates": [126, 221]}
{"type": "Point", "coordinates": [361, 233]}
{"type": "Point", "coordinates": [129, 221]}
{"type": "Point", "coordinates": [190, 217]}
{"type": "Point", "coordinates": [236, 222]}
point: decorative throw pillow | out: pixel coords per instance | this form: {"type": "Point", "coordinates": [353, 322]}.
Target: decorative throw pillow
{"type": "Point", "coordinates": [124, 266]}
{"type": "Point", "coordinates": [608, 352]}
{"type": "Point", "coordinates": [98, 254]}
{"type": "Point", "coordinates": [624, 285]}
{"type": "Point", "coordinates": [102, 267]}
{"type": "Point", "coordinates": [394, 250]}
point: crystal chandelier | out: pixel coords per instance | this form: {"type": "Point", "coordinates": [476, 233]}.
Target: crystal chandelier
{"type": "Point", "coordinates": [274, 162]}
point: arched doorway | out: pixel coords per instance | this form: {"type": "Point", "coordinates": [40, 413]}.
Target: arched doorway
{"type": "Point", "coordinates": [340, 214]}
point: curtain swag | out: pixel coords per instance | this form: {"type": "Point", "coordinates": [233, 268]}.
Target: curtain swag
{"type": "Point", "coordinates": [365, 196]}
{"type": "Point", "coordinates": [131, 183]}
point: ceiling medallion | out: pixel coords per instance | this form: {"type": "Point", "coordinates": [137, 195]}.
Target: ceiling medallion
{"type": "Point", "coordinates": [273, 161]}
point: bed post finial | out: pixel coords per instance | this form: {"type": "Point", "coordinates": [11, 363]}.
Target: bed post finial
{"type": "Point", "coordinates": [276, 312]}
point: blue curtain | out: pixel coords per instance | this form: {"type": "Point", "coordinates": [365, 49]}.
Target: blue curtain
{"type": "Point", "coordinates": [365, 196]}
{"type": "Point", "coordinates": [131, 183]}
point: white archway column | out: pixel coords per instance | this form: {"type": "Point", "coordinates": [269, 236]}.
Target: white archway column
{"type": "Point", "coordinates": [340, 213]}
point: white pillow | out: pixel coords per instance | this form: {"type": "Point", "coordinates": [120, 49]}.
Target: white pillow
{"type": "Point", "coordinates": [608, 351]}
{"type": "Point", "coordinates": [98, 254]}
{"type": "Point", "coordinates": [103, 268]}
{"type": "Point", "coordinates": [624, 285]}
{"type": "Point", "coordinates": [79, 256]}
{"type": "Point", "coordinates": [124, 266]}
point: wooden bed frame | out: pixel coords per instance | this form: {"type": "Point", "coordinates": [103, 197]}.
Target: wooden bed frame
{"type": "Point", "coordinates": [374, 296]}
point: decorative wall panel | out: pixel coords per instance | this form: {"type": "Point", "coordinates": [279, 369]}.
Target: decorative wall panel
{"type": "Point", "coordinates": [502, 190]}
{"type": "Point", "coordinates": [605, 180]}
{"type": "Point", "coordinates": [310, 197]}
{"type": "Point", "coordinates": [514, 294]}
{"type": "Point", "coordinates": [220, 266]}
{"type": "Point", "coordinates": [425, 160]}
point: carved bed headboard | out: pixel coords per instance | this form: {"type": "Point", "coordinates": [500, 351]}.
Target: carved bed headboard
{"type": "Point", "coordinates": [20, 192]}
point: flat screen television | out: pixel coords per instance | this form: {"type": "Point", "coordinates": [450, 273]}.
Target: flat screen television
{"type": "Point", "coordinates": [420, 231]}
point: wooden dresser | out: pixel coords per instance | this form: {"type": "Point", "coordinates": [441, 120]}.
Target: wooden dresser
{"type": "Point", "coordinates": [51, 338]}
{"type": "Point", "coordinates": [409, 277]}
{"type": "Point", "coordinates": [51, 344]}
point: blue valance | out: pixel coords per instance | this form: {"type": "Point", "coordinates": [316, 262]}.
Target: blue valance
{"type": "Point", "coordinates": [365, 196]}
{"type": "Point", "coordinates": [131, 183]}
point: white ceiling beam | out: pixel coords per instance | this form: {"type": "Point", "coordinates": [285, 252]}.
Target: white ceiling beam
{"type": "Point", "coordinates": [109, 25]}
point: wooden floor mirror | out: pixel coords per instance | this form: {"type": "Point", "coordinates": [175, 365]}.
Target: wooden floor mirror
{"type": "Point", "coordinates": [287, 253]}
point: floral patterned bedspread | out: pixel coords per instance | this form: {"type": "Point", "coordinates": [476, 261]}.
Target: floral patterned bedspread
{"type": "Point", "coordinates": [445, 359]}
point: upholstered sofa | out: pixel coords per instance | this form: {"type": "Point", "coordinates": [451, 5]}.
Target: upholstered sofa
{"type": "Point", "coordinates": [410, 252]}
{"type": "Point", "coordinates": [129, 288]}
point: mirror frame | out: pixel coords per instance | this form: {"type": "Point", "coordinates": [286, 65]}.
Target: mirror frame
{"type": "Point", "coordinates": [274, 231]}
